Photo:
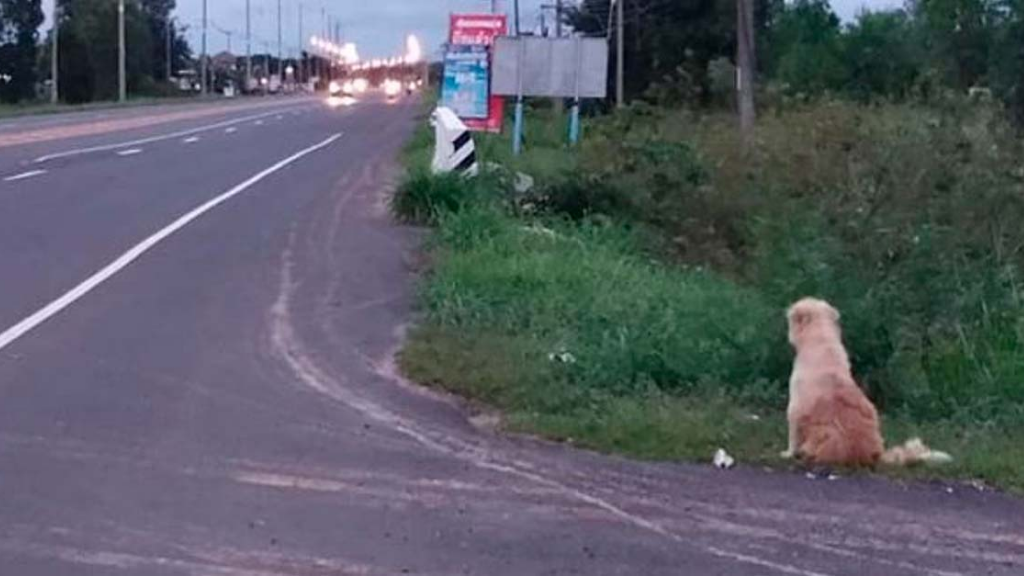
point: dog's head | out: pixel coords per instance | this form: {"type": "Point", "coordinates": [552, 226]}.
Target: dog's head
{"type": "Point", "coordinates": [810, 313]}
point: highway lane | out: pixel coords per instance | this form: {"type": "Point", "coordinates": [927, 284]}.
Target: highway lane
{"type": "Point", "coordinates": [226, 403]}
{"type": "Point", "coordinates": [49, 223]}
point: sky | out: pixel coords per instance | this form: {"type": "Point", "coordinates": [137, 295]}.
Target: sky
{"type": "Point", "coordinates": [378, 27]}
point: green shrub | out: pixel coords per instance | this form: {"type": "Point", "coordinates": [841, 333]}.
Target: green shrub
{"type": "Point", "coordinates": [423, 197]}
{"type": "Point", "coordinates": [905, 217]}
{"type": "Point", "coordinates": [553, 306]}
{"type": "Point", "coordinates": [631, 324]}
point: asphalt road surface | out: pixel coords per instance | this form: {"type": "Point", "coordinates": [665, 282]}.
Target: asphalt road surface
{"type": "Point", "coordinates": [197, 318]}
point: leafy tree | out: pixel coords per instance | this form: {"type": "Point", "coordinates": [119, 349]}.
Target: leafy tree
{"type": "Point", "coordinates": [881, 55]}
{"type": "Point", "coordinates": [958, 35]}
{"type": "Point", "coordinates": [88, 47]}
{"type": "Point", "coordinates": [19, 33]}
{"type": "Point", "coordinates": [669, 40]}
{"type": "Point", "coordinates": [805, 49]}
{"type": "Point", "coordinates": [157, 14]}
{"type": "Point", "coordinates": [1007, 65]}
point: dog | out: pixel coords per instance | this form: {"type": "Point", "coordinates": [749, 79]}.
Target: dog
{"type": "Point", "coordinates": [831, 420]}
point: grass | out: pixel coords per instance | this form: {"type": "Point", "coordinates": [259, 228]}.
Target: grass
{"type": "Point", "coordinates": [632, 302]}
{"type": "Point", "coordinates": [37, 108]}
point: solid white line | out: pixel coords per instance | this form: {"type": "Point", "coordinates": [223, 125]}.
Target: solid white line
{"type": "Point", "coordinates": [190, 140]}
{"type": "Point", "coordinates": [24, 175]}
{"type": "Point", "coordinates": [53, 308]}
{"type": "Point", "coordinates": [130, 152]}
{"type": "Point", "coordinates": [157, 138]}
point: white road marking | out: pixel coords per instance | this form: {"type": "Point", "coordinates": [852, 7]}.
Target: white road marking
{"type": "Point", "coordinates": [78, 292]}
{"type": "Point", "coordinates": [157, 138]}
{"type": "Point", "coordinates": [258, 122]}
{"type": "Point", "coordinates": [230, 130]}
{"type": "Point", "coordinates": [130, 152]}
{"type": "Point", "coordinates": [278, 117]}
{"type": "Point", "coordinates": [24, 175]}
{"type": "Point", "coordinates": [190, 140]}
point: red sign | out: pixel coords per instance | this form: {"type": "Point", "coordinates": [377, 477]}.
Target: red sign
{"type": "Point", "coordinates": [481, 29]}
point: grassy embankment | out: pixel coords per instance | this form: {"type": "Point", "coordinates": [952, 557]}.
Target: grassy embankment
{"type": "Point", "coordinates": [44, 108]}
{"type": "Point", "coordinates": [633, 300]}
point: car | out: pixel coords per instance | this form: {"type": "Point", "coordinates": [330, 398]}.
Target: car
{"type": "Point", "coordinates": [392, 89]}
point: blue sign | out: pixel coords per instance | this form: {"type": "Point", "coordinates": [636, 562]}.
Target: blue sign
{"type": "Point", "coordinates": [466, 88]}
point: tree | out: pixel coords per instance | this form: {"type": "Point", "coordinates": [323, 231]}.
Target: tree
{"type": "Point", "coordinates": [669, 41]}
{"type": "Point", "coordinates": [1007, 65]}
{"type": "Point", "coordinates": [88, 47]}
{"type": "Point", "coordinates": [881, 56]}
{"type": "Point", "coordinates": [157, 15]}
{"type": "Point", "coordinates": [958, 35]}
{"type": "Point", "coordinates": [19, 33]}
{"type": "Point", "coordinates": [804, 48]}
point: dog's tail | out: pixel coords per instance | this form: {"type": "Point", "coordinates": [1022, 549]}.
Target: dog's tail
{"type": "Point", "coordinates": [914, 451]}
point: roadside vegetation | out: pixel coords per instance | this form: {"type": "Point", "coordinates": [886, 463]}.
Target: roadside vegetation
{"type": "Point", "coordinates": [37, 109]}
{"type": "Point", "coordinates": [633, 300]}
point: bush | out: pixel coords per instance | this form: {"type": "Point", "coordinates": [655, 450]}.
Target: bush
{"type": "Point", "coordinates": [902, 217]}
{"type": "Point", "coordinates": [632, 325]}
{"type": "Point", "coordinates": [906, 218]}
{"type": "Point", "coordinates": [423, 197]}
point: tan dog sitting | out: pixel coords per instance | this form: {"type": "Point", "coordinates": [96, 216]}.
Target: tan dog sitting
{"type": "Point", "coordinates": [831, 421]}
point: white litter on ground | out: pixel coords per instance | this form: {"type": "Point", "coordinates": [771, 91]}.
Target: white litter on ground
{"type": "Point", "coordinates": [723, 460]}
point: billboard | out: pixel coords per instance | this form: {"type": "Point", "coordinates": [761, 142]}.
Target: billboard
{"type": "Point", "coordinates": [550, 67]}
{"type": "Point", "coordinates": [466, 75]}
{"type": "Point", "coordinates": [478, 30]}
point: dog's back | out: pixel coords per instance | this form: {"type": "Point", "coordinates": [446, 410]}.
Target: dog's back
{"type": "Point", "coordinates": [840, 426]}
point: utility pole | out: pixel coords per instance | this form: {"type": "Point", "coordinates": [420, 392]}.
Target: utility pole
{"type": "Point", "coordinates": [122, 88]}
{"type": "Point", "coordinates": [559, 103]}
{"type": "Point", "coordinates": [620, 55]}
{"type": "Point", "coordinates": [494, 6]}
{"type": "Point", "coordinates": [558, 18]}
{"type": "Point", "coordinates": [170, 39]}
{"type": "Point", "coordinates": [248, 45]}
{"type": "Point", "coordinates": [280, 63]}
{"type": "Point", "coordinates": [202, 57]}
{"type": "Point", "coordinates": [54, 53]}
{"type": "Point", "coordinates": [302, 61]}
{"type": "Point", "coordinates": [323, 65]}
{"type": "Point", "coordinates": [516, 8]}
{"type": "Point", "coordinates": [745, 66]}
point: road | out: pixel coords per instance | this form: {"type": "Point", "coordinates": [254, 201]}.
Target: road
{"type": "Point", "coordinates": [197, 320]}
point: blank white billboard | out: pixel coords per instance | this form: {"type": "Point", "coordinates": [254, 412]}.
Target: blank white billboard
{"type": "Point", "coordinates": [551, 67]}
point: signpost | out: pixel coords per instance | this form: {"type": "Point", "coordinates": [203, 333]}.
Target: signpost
{"type": "Point", "coordinates": [474, 30]}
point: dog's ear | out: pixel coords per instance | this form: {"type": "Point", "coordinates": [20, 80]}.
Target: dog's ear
{"type": "Point", "coordinates": [834, 314]}
{"type": "Point", "coordinates": [799, 316]}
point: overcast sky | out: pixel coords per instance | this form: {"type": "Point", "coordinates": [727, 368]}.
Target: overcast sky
{"type": "Point", "coordinates": [378, 27]}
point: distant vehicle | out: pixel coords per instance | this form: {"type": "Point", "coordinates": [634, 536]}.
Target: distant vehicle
{"type": "Point", "coordinates": [340, 90]}
{"type": "Point", "coordinates": [392, 89]}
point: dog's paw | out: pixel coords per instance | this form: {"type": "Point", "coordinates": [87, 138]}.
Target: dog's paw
{"type": "Point", "coordinates": [786, 454]}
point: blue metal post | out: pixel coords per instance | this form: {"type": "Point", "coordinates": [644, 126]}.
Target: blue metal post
{"type": "Point", "coordinates": [574, 123]}
{"type": "Point", "coordinates": [517, 134]}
